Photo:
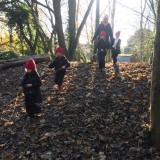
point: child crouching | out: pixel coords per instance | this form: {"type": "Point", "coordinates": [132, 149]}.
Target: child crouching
{"type": "Point", "coordinates": [30, 85]}
{"type": "Point", "coordinates": [60, 63]}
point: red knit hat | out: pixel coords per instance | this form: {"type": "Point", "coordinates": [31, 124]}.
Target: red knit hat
{"type": "Point", "coordinates": [103, 33]}
{"type": "Point", "coordinates": [59, 50]}
{"type": "Point", "coordinates": [118, 33]}
{"type": "Point", "coordinates": [30, 64]}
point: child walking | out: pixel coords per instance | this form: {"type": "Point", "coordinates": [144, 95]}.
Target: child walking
{"type": "Point", "coordinates": [30, 85]}
{"type": "Point", "coordinates": [60, 63]}
{"type": "Point", "coordinates": [116, 48]}
{"type": "Point", "coordinates": [102, 47]}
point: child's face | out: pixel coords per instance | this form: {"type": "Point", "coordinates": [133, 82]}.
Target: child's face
{"type": "Point", "coordinates": [28, 70]}
{"type": "Point", "coordinates": [59, 54]}
{"type": "Point", "coordinates": [117, 36]}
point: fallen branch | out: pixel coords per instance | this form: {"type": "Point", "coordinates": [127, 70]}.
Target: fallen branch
{"type": "Point", "coordinates": [21, 61]}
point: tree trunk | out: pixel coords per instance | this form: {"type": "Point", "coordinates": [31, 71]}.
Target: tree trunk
{"type": "Point", "coordinates": [71, 27]}
{"type": "Point", "coordinates": [77, 13]}
{"type": "Point", "coordinates": [29, 43]}
{"type": "Point", "coordinates": [155, 88]}
{"type": "Point", "coordinates": [74, 45]}
{"type": "Point", "coordinates": [97, 13]}
{"type": "Point", "coordinates": [58, 24]}
{"type": "Point", "coordinates": [141, 28]}
{"type": "Point", "coordinates": [96, 25]}
{"type": "Point", "coordinates": [113, 13]}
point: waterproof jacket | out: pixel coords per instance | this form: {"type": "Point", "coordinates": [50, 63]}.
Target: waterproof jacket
{"type": "Point", "coordinates": [109, 34]}
{"type": "Point", "coordinates": [59, 62]}
{"type": "Point", "coordinates": [34, 79]}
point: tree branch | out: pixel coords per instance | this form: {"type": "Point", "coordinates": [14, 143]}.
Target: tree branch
{"type": "Point", "coordinates": [41, 4]}
{"type": "Point", "coordinates": [136, 12]}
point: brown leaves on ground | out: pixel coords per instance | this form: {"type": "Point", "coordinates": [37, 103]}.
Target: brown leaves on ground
{"type": "Point", "coordinates": [98, 116]}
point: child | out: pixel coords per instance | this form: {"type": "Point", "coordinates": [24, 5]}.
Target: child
{"type": "Point", "coordinates": [106, 27]}
{"type": "Point", "coordinates": [60, 64]}
{"type": "Point", "coordinates": [116, 48]}
{"type": "Point", "coordinates": [30, 85]}
{"type": "Point", "coordinates": [101, 47]}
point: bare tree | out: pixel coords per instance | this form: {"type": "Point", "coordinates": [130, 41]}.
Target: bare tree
{"type": "Point", "coordinates": [79, 30]}
{"type": "Point", "coordinates": [152, 4]}
{"type": "Point", "coordinates": [59, 24]}
{"type": "Point", "coordinates": [97, 22]}
{"type": "Point", "coordinates": [71, 25]}
{"type": "Point", "coordinates": [73, 35]}
{"type": "Point", "coordinates": [46, 40]}
{"type": "Point", "coordinates": [113, 14]}
{"type": "Point", "coordinates": [143, 7]}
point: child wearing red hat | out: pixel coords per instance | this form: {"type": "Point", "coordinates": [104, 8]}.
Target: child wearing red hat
{"type": "Point", "coordinates": [102, 47]}
{"type": "Point", "coordinates": [116, 48]}
{"type": "Point", "coordinates": [30, 85]}
{"type": "Point", "coordinates": [60, 63]}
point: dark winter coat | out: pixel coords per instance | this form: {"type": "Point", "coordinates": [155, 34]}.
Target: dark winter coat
{"type": "Point", "coordinates": [117, 50]}
{"type": "Point", "coordinates": [59, 62]}
{"type": "Point", "coordinates": [34, 79]}
{"type": "Point", "coordinates": [101, 45]}
{"type": "Point", "coordinates": [109, 34]}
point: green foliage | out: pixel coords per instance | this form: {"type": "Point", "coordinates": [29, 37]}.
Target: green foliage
{"type": "Point", "coordinates": [80, 55]}
{"type": "Point", "coordinates": [18, 16]}
{"type": "Point", "coordinates": [8, 55]}
{"type": "Point", "coordinates": [20, 19]}
{"type": "Point", "coordinates": [147, 43]}
{"type": "Point", "coordinates": [127, 50]}
{"type": "Point", "coordinates": [83, 57]}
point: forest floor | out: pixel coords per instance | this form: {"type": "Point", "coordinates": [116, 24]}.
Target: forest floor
{"type": "Point", "coordinates": [97, 116]}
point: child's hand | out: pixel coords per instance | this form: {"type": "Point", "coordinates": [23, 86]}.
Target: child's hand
{"type": "Point", "coordinates": [20, 89]}
{"type": "Point", "coordinates": [63, 67]}
{"type": "Point", "coordinates": [29, 85]}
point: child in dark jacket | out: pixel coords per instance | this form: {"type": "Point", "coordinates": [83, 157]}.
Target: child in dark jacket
{"type": "Point", "coordinates": [101, 48]}
{"type": "Point", "coordinates": [116, 48]}
{"type": "Point", "coordinates": [60, 63]}
{"type": "Point", "coordinates": [30, 85]}
{"type": "Point", "coordinates": [105, 26]}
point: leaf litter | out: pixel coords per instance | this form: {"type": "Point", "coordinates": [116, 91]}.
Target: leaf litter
{"type": "Point", "coordinates": [98, 116]}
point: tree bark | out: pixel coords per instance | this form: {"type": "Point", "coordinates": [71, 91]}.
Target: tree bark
{"type": "Point", "coordinates": [29, 43]}
{"type": "Point", "coordinates": [82, 25]}
{"type": "Point", "coordinates": [96, 25]}
{"type": "Point", "coordinates": [155, 88]}
{"type": "Point", "coordinates": [71, 27]}
{"type": "Point", "coordinates": [58, 24]}
{"type": "Point", "coordinates": [77, 13]}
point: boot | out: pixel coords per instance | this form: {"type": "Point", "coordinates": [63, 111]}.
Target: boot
{"type": "Point", "coordinates": [60, 89]}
